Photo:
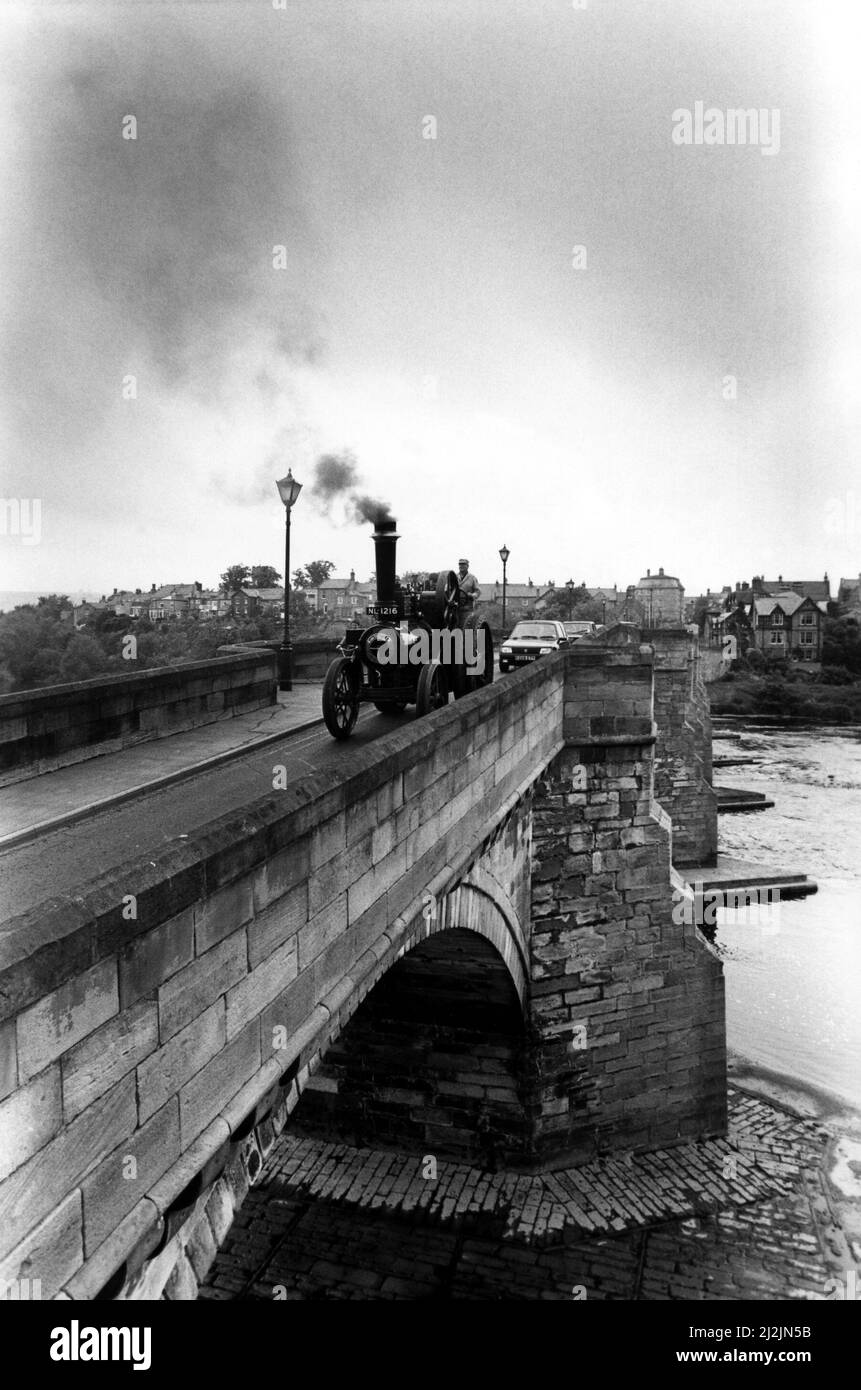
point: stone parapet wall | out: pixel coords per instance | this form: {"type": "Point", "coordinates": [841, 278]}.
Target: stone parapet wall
{"type": "Point", "coordinates": [41, 730]}
{"type": "Point", "coordinates": [312, 656]}
{"type": "Point", "coordinates": [147, 1018]}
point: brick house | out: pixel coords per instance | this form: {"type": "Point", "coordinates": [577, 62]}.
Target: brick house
{"type": "Point", "coordinates": [788, 624]}
{"type": "Point", "coordinates": [662, 599]}
{"type": "Point", "coordinates": [251, 603]}
{"type": "Point", "coordinates": [341, 598]}
{"type": "Point", "coordinates": [213, 603]}
{"type": "Point", "coordinates": [521, 600]}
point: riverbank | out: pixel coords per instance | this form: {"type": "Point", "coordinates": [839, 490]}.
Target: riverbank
{"type": "Point", "coordinates": [797, 1240]}
{"type": "Point", "coordinates": [791, 697]}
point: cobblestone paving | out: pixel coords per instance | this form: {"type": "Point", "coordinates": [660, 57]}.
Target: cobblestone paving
{"type": "Point", "coordinates": [752, 1219]}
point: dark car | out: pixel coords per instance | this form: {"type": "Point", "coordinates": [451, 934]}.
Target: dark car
{"type": "Point", "coordinates": [580, 627]}
{"type": "Point", "coordinates": [531, 638]}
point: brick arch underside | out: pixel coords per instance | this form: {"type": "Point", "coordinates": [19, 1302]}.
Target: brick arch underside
{"type": "Point", "coordinates": [432, 1059]}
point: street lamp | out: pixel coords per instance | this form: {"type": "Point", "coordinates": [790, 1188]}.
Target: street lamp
{"type": "Point", "coordinates": [569, 585]}
{"type": "Point", "coordinates": [288, 491]}
{"type": "Point", "coordinates": [503, 555]}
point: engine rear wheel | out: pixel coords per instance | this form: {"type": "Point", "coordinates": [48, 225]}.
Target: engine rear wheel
{"type": "Point", "coordinates": [432, 690]}
{"type": "Point", "coordinates": [340, 698]}
{"type": "Point", "coordinates": [447, 597]}
{"type": "Point", "coordinates": [483, 648]}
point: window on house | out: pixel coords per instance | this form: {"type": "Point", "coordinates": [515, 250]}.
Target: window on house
{"type": "Point", "coordinates": [777, 618]}
{"type": "Point", "coordinates": [806, 619]}
{"type": "Point", "coordinates": [807, 639]}
{"type": "Point", "coordinates": [777, 639]}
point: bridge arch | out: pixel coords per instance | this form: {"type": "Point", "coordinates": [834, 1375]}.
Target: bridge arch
{"type": "Point", "coordinates": [432, 1055]}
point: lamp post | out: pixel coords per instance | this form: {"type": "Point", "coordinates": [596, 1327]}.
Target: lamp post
{"type": "Point", "coordinates": [503, 555]}
{"type": "Point", "coordinates": [569, 585]}
{"type": "Point", "coordinates": [288, 491]}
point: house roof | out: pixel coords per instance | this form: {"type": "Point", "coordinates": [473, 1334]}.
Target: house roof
{"type": "Point", "coordinates": [808, 588]}
{"type": "Point", "coordinates": [267, 595]}
{"type": "Point", "coordinates": [659, 581]}
{"type": "Point", "coordinates": [787, 602]}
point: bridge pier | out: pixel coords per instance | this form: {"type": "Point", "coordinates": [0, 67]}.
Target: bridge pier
{"type": "Point", "coordinates": [626, 1006]}
{"type": "Point", "coordinates": [683, 753]}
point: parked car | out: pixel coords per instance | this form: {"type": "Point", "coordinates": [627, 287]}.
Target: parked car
{"type": "Point", "coordinates": [578, 628]}
{"type": "Point", "coordinates": [530, 639]}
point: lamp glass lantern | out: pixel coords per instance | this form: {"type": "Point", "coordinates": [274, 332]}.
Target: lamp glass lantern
{"type": "Point", "coordinates": [288, 489]}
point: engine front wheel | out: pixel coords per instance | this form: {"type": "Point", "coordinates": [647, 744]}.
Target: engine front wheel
{"type": "Point", "coordinates": [432, 690]}
{"type": "Point", "coordinates": [340, 699]}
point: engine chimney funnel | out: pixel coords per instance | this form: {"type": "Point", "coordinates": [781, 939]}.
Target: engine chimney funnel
{"type": "Point", "coordinates": [385, 544]}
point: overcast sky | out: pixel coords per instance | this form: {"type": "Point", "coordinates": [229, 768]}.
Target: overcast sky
{"type": "Point", "coordinates": [430, 316]}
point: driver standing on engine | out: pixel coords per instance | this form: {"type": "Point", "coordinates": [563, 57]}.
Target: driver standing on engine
{"type": "Point", "coordinates": [470, 593]}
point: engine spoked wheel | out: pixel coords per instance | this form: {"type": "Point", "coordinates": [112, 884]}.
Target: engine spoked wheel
{"type": "Point", "coordinates": [448, 597]}
{"type": "Point", "coordinates": [340, 699]}
{"type": "Point", "coordinates": [484, 637]}
{"type": "Point", "coordinates": [432, 690]}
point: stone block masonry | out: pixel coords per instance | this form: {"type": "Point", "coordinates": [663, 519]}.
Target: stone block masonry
{"type": "Point", "coordinates": [627, 1008]}
{"type": "Point", "coordinates": [41, 730]}
{"type": "Point", "coordinates": [255, 941]}
{"type": "Point", "coordinates": [683, 753]}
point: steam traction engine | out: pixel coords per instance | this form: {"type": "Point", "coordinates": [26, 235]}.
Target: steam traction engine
{"type": "Point", "coordinates": [387, 664]}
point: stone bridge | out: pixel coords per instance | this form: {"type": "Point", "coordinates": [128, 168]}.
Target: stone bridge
{"type": "Point", "coordinates": [461, 941]}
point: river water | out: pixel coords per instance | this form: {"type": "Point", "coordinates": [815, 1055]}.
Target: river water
{"type": "Point", "coordinates": [793, 972]}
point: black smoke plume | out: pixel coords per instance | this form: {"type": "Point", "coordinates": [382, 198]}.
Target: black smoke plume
{"type": "Point", "coordinates": [336, 479]}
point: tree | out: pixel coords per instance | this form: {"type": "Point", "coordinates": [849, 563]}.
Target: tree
{"type": "Point", "coordinates": [577, 605]}
{"type": "Point", "coordinates": [264, 577]}
{"type": "Point", "coordinates": [315, 573]}
{"type": "Point", "coordinates": [83, 659]}
{"type": "Point", "coordinates": [233, 578]}
{"type": "Point", "coordinates": [841, 644]}
{"type": "Point", "coordinates": [53, 604]}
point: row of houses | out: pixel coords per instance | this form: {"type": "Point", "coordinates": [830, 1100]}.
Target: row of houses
{"type": "Point", "coordinates": [337, 598]}
{"type": "Point", "coordinates": [655, 600]}
{"type": "Point", "coordinates": [779, 617]}
{"type": "Point", "coordinates": [165, 601]}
